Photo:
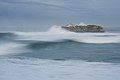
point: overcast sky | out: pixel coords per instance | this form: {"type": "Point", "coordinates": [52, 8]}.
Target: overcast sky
{"type": "Point", "coordinates": [41, 14]}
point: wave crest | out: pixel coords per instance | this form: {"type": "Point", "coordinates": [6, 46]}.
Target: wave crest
{"type": "Point", "coordinates": [57, 34]}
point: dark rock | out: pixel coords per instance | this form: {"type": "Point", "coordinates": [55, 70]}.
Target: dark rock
{"type": "Point", "coordinates": [84, 28]}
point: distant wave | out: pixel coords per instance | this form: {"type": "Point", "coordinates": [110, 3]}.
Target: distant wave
{"type": "Point", "coordinates": [59, 44]}
{"type": "Point", "coordinates": [57, 34]}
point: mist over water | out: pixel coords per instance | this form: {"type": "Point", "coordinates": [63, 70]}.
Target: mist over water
{"type": "Point", "coordinates": [59, 54]}
{"type": "Point", "coordinates": [57, 43]}
{"type": "Point", "coordinates": [30, 49]}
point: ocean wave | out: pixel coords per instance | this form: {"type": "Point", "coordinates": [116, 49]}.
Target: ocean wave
{"type": "Point", "coordinates": [82, 38]}
{"type": "Point", "coordinates": [12, 48]}
{"type": "Point", "coordinates": [57, 34]}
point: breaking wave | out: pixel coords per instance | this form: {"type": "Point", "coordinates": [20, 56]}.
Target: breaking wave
{"type": "Point", "coordinates": [57, 34]}
{"type": "Point", "coordinates": [59, 44]}
{"type": "Point", "coordinates": [11, 48]}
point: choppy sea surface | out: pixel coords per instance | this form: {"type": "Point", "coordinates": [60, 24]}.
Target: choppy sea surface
{"type": "Point", "coordinates": [57, 54]}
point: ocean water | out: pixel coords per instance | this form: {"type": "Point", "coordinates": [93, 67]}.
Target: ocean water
{"type": "Point", "coordinates": [57, 54]}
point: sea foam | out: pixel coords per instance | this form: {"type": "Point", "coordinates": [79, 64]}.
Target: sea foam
{"type": "Point", "coordinates": [37, 69]}
{"type": "Point", "coordinates": [56, 33]}
{"type": "Point", "coordinates": [11, 48]}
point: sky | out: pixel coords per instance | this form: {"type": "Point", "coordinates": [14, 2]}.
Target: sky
{"type": "Point", "coordinates": [37, 15]}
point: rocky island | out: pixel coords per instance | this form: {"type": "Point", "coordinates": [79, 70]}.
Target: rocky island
{"type": "Point", "coordinates": [83, 28]}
